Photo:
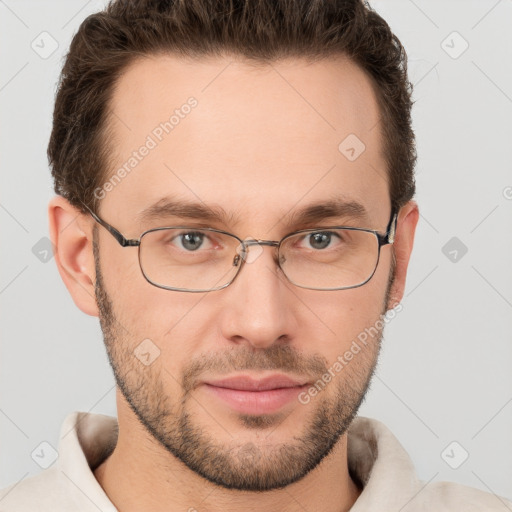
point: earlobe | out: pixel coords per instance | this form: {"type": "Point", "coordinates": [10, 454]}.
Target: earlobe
{"type": "Point", "coordinates": [402, 248]}
{"type": "Point", "coordinates": [71, 235]}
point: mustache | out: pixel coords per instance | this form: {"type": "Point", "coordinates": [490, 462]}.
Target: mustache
{"type": "Point", "coordinates": [277, 357]}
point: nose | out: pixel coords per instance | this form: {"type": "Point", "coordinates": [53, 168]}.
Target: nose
{"type": "Point", "coordinates": [258, 305]}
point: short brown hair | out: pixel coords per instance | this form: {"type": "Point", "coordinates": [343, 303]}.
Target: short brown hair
{"type": "Point", "coordinates": [259, 30]}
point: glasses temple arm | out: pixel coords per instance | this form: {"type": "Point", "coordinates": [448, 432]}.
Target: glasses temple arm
{"type": "Point", "coordinates": [124, 242]}
{"type": "Point", "coordinates": [391, 229]}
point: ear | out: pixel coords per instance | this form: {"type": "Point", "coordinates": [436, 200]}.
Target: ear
{"type": "Point", "coordinates": [402, 248]}
{"type": "Point", "coordinates": [71, 235]}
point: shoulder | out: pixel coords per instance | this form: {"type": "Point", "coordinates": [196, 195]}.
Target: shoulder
{"type": "Point", "coordinates": [450, 496]}
{"type": "Point", "coordinates": [390, 482]}
{"type": "Point", "coordinates": [69, 484]}
{"type": "Point", "coordinates": [46, 489]}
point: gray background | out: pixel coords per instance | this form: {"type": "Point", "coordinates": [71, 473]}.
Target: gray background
{"type": "Point", "coordinates": [445, 372]}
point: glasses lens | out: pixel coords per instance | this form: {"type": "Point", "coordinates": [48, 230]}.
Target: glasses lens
{"type": "Point", "coordinates": [330, 259]}
{"type": "Point", "coordinates": [189, 259]}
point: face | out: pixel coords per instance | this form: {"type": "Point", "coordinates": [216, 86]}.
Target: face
{"type": "Point", "coordinates": [260, 144]}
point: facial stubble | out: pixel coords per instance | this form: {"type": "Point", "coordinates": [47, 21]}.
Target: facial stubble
{"type": "Point", "coordinates": [247, 466]}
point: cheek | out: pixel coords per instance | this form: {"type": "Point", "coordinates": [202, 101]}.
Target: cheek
{"type": "Point", "coordinates": [144, 310]}
{"type": "Point", "coordinates": [346, 314]}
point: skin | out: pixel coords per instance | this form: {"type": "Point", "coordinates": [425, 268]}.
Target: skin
{"type": "Point", "coordinates": [261, 143]}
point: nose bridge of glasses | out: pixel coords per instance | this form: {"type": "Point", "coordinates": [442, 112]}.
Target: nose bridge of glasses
{"type": "Point", "coordinates": [271, 243]}
{"type": "Point", "coordinates": [251, 241]}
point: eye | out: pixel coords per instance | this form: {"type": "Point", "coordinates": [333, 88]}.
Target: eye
{"type": "Point", "coordinates": [191, 240]}
{"type": "Point", "coordinates": [321, 239]}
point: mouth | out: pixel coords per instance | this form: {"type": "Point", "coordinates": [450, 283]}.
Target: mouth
{"type": "Point", "coordinates": [248, 395]}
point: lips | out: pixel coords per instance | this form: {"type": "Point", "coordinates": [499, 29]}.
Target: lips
{"type": "Point", "coordinates": [248, 395]}
{"type": "Point", "coordinates": [246, 383]}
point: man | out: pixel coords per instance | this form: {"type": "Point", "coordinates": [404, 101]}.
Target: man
{"type": "Point", "coordinates": [234, 203]}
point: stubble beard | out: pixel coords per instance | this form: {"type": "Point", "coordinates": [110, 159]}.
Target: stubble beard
{"type": "Point", "coordinates": [245, 466]}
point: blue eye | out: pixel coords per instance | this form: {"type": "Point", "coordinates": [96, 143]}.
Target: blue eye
{"type": "Point", "coordinates": [321, 239]}
{"type": "Point", "coordinates": [191, 240]}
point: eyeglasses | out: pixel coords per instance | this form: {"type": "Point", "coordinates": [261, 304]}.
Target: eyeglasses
{"type": "Point", "coordinates": [190, 259]}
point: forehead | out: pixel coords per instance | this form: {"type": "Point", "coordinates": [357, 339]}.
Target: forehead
{"type": "Point", "coordinates": [262, 139]}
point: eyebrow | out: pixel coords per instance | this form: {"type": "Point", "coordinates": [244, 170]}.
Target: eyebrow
{"type": "Point", "coordinates": [337, 207]}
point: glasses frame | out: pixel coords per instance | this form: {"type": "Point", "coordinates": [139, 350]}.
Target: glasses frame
{"type": "Point", "coordinates": [386, 238]}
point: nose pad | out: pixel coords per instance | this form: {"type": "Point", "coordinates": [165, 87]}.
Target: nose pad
{"type": "Point", "coordinates": [252, 254]}
{"type": "Point", "coordinates": [241, 255]}
{"type": "Point", "coordinates": [246, 255]}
